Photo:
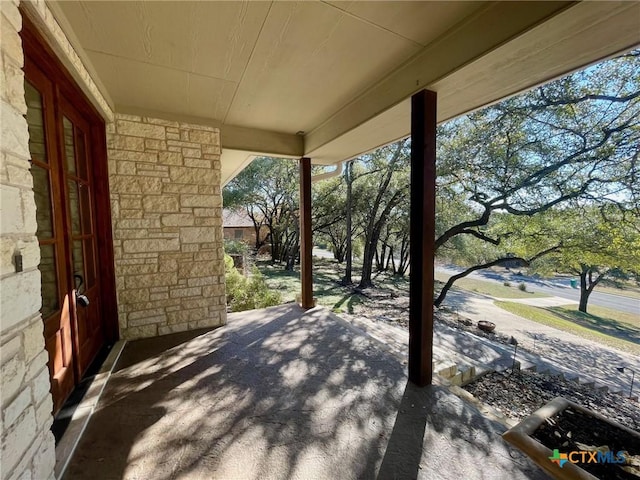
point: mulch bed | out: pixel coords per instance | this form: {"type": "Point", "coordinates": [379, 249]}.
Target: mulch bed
{"type": "Point", "coordinates": [517, 395]}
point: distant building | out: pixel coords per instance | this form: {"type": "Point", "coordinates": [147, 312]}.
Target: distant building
{"type": "Point", "coordinates": [237, 225]}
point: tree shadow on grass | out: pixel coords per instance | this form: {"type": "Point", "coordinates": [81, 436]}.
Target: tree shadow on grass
{"type": "Point", "coordinates": [607, 326]}
{"type": "Point", "coordinates": [351, 300]}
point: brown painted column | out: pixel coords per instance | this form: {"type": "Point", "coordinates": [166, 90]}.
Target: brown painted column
{"type": "Point", "coordinates": [306, 241]}
{"type": "Point", "coordinates": [423, 218]}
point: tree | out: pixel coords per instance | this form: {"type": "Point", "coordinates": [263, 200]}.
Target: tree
{"type": "Point", "coordinates": [394, 242]}
{"type": "Point", "coordinates": [594, 244]}
{"type": "Point", "coordinates": [268, 189]}
{"type": "Point", "coordinates": [328, 219]}
{"type": "Point", "coordinates": [574, 140]}
{"type": "Point", "coordinates": [383, 186]}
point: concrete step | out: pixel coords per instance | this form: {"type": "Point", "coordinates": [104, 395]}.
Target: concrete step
{"type": "Point", "coordinates": [461, 356]}
{"type": "Point", "coordinates": [446, 369]}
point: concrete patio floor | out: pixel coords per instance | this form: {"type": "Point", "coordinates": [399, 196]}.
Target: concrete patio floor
{"type": "Point", "coordinates": [282, 393]}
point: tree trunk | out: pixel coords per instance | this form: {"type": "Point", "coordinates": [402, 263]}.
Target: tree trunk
{"type": "Point", "coordinates": [587, 284]}
{"type": "Point", "coordinates": [367, 266]}
{"type": "Point", "coordinates": [276, 245]}
{"type": "Point", "coordinates": [382, 264]}
{"type": "Point", "coordinates": [393, 263]}
{"type": "Point", "coordinates": [256, 228]}
{"type": "Point", "coordinates": [404, 257]}
{"type": "Point", "coordinates": [584, 299]}
{"type": "Point", "coordinates": [389, 260]}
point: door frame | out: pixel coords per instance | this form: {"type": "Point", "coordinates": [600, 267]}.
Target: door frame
{"type": "Point", "coordinates": [39, 52]}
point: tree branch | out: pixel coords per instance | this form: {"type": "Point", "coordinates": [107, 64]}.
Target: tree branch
{"type": "Point", "coordinates": [481, 236]}
{"type": "Point", "coordinates": [443, 293]}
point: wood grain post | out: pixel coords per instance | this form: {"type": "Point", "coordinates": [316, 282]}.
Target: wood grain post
{"type": "Point", "coordinates": [423, 217]}
{"type": "Point", "coordinates": [306, 240]}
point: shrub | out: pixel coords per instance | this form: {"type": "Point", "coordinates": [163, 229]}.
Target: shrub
{"type": "Point", "coordinates": [236, 247]}
{"type": "Point", "coordinates": [248, 293]}
{"type": "Point", "coordinates": [522, 286]}
{"type": "Point", "coordinates": [507, 284]}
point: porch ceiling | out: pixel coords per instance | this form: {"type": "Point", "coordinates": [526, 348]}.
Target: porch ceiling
{"type": "Point", "coordinates": [338, 71]}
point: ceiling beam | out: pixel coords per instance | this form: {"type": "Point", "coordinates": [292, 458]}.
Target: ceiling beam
{"type": "Point", "coordinates": [261, 141]}
{"type": "Point", "coordinates": [233, 137]}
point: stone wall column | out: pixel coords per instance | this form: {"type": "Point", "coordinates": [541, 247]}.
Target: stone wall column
{"type": "Point", "coordinates": [27, 443]}
{"type": "Point", "coordinates": [166, 206]}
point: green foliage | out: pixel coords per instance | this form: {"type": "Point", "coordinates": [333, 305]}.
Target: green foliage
{"type": "Point", "coordinates": [593, 243]}
{"type": "Point", "coordinates": [268, 189]}
{"type": "Point", "coordinates": [522, 287]}
{"type": "Point", "coordinates": [247, 293]}
{"type": "Point", "coordinates": [572, 142]}
{"type": "Point", "coordinates": [235, 247]}
{"type": "Point", "coordinates": [357, 247]}
{"type": "Point", "coordinates": [602, 239]}
{"type": "Point", "coordinates": [328, 200]}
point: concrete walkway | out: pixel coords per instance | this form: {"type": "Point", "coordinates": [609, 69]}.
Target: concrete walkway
{"type": "Point", "coordinates": [578, 355]}
{"type": "Point", "coordinates": [278, 394]}
{"type": "Point", "coordinates": [541, 301]}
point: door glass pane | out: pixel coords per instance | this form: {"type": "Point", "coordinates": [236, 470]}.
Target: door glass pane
{"type": "Point", "coordinates": [85, 209]}
{"type": "Point", "coordinates": [74, 207]}
{"type": "Point", "coordinates": [69, 145]}
{"type": "Point", "coordinates": [42, 195]}
{"type": "Point", "coordinates": [35, 120]}
{"type": "Point", "coordinates": [50, 303]}
{"type": "Point", "coordinates": [82, 159]}
{"type": "Point", "coordinates": [78, 264]}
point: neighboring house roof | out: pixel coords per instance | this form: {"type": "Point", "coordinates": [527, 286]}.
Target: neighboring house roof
{"type": "Point", "coordinates": [235, 218]}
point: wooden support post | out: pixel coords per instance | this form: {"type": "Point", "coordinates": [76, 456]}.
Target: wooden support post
{"type": "Point", "coordinates": [423, 217]}
{"type": "Point", "coordinates": [306, 241]}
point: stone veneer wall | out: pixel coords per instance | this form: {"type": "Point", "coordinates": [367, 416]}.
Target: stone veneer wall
{"type": "Point", "coordinates": [27, 442]}
{"type": "Point", "coordinates": [167, 221]}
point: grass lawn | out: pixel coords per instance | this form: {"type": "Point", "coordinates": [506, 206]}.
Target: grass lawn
{"type": "Point", "coordinates": [633, 292]}
{"type": "Point", "coordinates": [326, 275]}
{"type": "Point", "coordinates": [329, 293]}
{"type": "Point", "coordinates": [492, 289]}
{"type": "Point", "coordinates": [610, 327]}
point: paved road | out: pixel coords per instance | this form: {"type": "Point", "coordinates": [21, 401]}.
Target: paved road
{"type": "Point", "coordinates": [615, 302]}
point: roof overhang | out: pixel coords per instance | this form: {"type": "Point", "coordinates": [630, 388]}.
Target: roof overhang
{"type": "Point", "coordinates": [330, 80]}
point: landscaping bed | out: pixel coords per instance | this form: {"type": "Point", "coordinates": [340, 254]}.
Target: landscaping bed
{"type": "Point", "coordinates": [517, 395]}
{"type": "Point", "coordinates": [573, 430]}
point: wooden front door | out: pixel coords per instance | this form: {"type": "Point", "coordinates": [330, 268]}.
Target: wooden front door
{"type": "Point", "coordinates": [62, 144]}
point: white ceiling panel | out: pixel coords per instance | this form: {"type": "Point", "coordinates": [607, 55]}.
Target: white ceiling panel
{"type": "Point", "coordinates": [156, 88]}
{"type": "Point", "coordinates": [310, 59]}
{"type": "Point", "coordinates": [420, 22]}
{"type": "Point", "coordinates": [208, 38]}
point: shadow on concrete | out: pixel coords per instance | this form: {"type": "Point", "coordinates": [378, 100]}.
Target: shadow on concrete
{"type": "Point", "coordinates": [280, 393]}
{"type": "Point", "coordinates": [437, 435]}
{"type": "Point", "coordinates": [459, 301]}
{"type": "Point", "coordinates": [588, 359]}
